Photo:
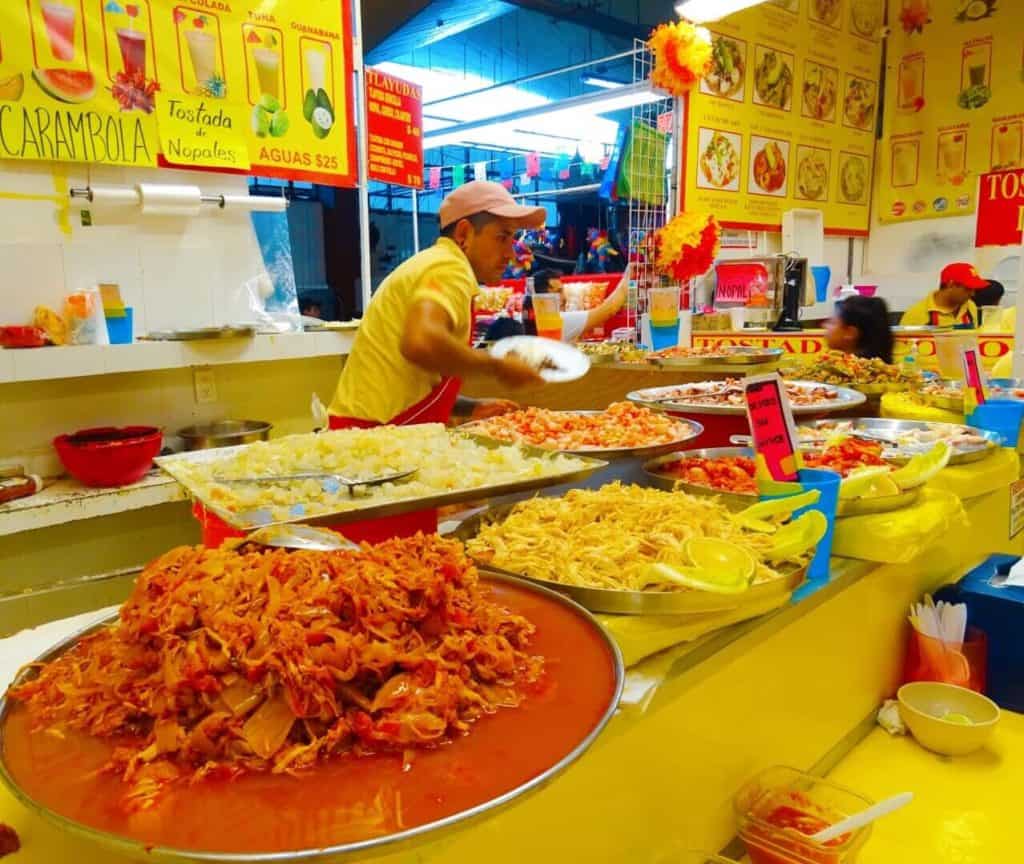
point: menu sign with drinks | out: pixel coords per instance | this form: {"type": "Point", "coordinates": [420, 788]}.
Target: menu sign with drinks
{"type": "Point", "coordinates": [786, 117]}
{"type": "Point", "coordinates": [955, 108]}
{"type": "Point", "coordinates": [260, 85]}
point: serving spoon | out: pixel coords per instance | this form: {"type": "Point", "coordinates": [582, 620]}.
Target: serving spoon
{"type": "Point", "coordinates": [303, 537]}
{"type": "Point", "coordinates": [349, 483]}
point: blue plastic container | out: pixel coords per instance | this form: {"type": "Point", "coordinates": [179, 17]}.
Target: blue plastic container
{"type": "Point", "coordinates": [822, 278]}
{"type": "Point", "coordinates": [664, 337]}
{"type": "Point", "coordinates": [120, 329]}
{"type": "Point", "coordinates": [826, 482]}
{"type": "Point", "coordinates": [999, 612]}
{"type": "Point", "coordinates": [1002, 416]}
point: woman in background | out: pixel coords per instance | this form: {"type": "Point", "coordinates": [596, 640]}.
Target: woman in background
{"type": "Point", "coordinates": [860, 326]}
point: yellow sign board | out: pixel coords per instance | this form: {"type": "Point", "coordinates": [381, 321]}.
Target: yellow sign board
{"type": "Point", "coordinates": [260, 85]}
{"type": "Point", "coordinates": [954, 109]}
{"type": "Point", "coordinates": [198, 131]}
{"type": "Point", "coordinates": [786, 118]}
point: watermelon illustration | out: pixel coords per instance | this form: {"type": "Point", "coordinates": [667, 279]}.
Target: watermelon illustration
{"type": "Point", "coordinates": [66, 85]}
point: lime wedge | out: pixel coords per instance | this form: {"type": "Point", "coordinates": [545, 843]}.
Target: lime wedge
{"type": "Point", "coordinates": [698, 579]}
{"type": "Point", "coordinates": [797, 537]}
{"type": "Point", "coordinates": [720, 556]}
{"type": "Point", "coordinates": [757, 516]}
{"type": "Point", "coordinates": [858, 484]}
{"type": "Point", "coordinates": [923, 467]}
{"type": "Point", "coordinates": [958, 719]}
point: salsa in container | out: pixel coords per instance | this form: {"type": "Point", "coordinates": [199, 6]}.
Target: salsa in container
{"type": "Point", "coordinates": [781, 808]}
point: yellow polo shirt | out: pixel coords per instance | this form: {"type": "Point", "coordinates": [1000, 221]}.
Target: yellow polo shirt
{"type": "Point", "coordinates": [377, 382]}
{"type": "Point", "coordinates": [928, 312]}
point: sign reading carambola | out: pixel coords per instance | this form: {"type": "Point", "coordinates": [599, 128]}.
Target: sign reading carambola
{"type": "Point", "coordinates": [954, 105]}
{"type": "Point", "coordinates": [786, 118]}
{"type": "Point", "coordinates": [243, 85]}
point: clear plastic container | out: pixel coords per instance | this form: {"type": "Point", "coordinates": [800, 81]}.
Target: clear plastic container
{"type": "Point", "coordinates": [778, 809]}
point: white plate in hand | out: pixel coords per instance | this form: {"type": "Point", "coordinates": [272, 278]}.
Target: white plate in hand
{"type": "Point", "coordinates": [571, 363]}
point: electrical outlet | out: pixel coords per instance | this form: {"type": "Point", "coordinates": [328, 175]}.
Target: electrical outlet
{"type": "Point", "coordinates": [205, 384]}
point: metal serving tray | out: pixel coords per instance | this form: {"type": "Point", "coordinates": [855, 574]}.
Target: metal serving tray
{"type": "Point", "coordinates": [227, 332]}
{"type": "Point", "coordinates": [683, 602]}
{"type": "Point", "coordinates": [364, 509]}
{"type": "Point", "coordinates": [389, 843]}
{"type": "Point", "coordinates": [733, 355]}
{"type": "Point", "coordinates": [664, 399]}
{"type": "Point", "coordinates": [694, 430]}
{"type": "Point", "coordinates": [886, 428]}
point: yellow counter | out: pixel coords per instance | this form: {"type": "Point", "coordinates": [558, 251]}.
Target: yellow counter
{"type": "Point", "coordinates": [794, 687]}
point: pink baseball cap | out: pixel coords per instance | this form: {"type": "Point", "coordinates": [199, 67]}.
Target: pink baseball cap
{"type": "Point", "coordinates": [481, 196]}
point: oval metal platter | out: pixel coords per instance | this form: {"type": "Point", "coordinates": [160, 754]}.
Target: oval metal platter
{"type": "Point", "coordinates": [654, 469]}
{"type": "Point", "coordinates": [669, 399]}
{"type": "Point", "coordinates": [689, 429]}
{"type": "Point", "coordinates": [684, 602]}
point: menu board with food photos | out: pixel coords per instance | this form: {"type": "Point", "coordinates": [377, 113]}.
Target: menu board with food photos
{"type": "Point", "coordinates": [786, 118]}
{"type": "Point", "coordinates": [955, 107]}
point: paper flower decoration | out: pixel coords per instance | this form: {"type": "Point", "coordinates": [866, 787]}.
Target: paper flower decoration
{"type": "Point", "coordinates": [682, 56]}
{"type": "Point", "coordinates": [687, 246]}
{"type": "Point", "coordinates": [914, 15]}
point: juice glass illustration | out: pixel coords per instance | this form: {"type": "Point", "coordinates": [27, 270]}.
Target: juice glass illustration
{"type": "Point", "coordinates": [911, 83]}
{"type": "Point", "coordinates": [315, 58]}
{"type": "Point", "coordinates": [904, 164]}
{"type": "Point", "coordinates": [268, 67]}
{"type": "Point", "coordinates": [664, 307]}
{"type": "Point", "coordinates": [952, 155]}
{"type": "Point", "coordinates": [976, 62]}
{"type": "Point", "coordinates": [60, 29]}
{"type": "Point", "coordinates": [548, 310]}
{"type": "Point", "coordinates": [133, 50]}
{"type": "Point", "coordinates": [1007, 149]}
{"type": "Point", "coordinates": [202, 50]}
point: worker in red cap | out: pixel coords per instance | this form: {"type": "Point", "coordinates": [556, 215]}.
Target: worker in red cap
{"type": "Point", "coordinates": [413, 345]}
{"type": "Point", "coordinates": [951, 305]}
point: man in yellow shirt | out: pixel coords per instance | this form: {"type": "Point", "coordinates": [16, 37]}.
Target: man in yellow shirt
{"type": "Point", "coordinates": [412, 347]}
{"type": "Point", "coordinates": [951, 305]}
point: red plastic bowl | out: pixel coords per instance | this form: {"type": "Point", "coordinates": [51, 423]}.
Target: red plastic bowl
{"type": "Point", "coordinates": [108, 456]}
{"type": "Point", "coordinates": [22, 337]}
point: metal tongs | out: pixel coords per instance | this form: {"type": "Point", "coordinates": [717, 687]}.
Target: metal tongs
{"type": "Point", "coordinates": [350, 483]}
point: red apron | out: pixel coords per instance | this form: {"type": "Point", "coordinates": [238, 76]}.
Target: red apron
{"type": "Point", "coordinates": [435, 407]}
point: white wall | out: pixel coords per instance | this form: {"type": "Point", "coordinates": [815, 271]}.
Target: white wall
{"type": "Point", "coordinates": [905, 260]}
{"type": "Point", "coordinates": [173, 272]}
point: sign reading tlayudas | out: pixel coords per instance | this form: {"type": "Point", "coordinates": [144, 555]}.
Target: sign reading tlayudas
{"type": "Point", "coordinates": [1001, 209]}
{"type": "Point", "coordinates": [394, 126]}
{"type": "Point", "coordinates": [260, 85]}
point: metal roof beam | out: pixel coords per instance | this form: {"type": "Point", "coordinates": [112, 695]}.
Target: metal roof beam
{"type": "Point", "coordinates": [584, 14]}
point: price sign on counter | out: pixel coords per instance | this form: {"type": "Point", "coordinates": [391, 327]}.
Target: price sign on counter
{"type": "Point", "coordinates": [772, 427]}
{"type": "Point", "coordinates": [972, 376]}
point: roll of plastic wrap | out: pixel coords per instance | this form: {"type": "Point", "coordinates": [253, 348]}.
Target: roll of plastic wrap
{"type": "Point", "coordinates": [170, 200]}
{"type": "Point", "coordinates": [255, 203]}
{"type": "Point", "coordinates": [108, 196]}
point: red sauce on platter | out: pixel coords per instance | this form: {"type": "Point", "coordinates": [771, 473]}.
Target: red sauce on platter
{"type": "Point", "coordinates": [351, 798]}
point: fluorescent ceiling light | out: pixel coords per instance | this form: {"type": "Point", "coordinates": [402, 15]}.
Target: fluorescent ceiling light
{"type": "Point", "coordinates": [699, 11]}
{"type": "Point", "coordinates": [603, 83]}
{"type": "Point", "coordinates": [568, 115]}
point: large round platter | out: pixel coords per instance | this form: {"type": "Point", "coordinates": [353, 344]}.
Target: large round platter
{"type": "Point", "coordinates": [641, 602]}
{"type": "Point", "coordinates": [672, 399]}
{"type": "Point", "coordinates": [585, 641]}
{"type": "Point", "coordinates": [688, 431]}
{"type": "Point", "coordinates": [892, 430]}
